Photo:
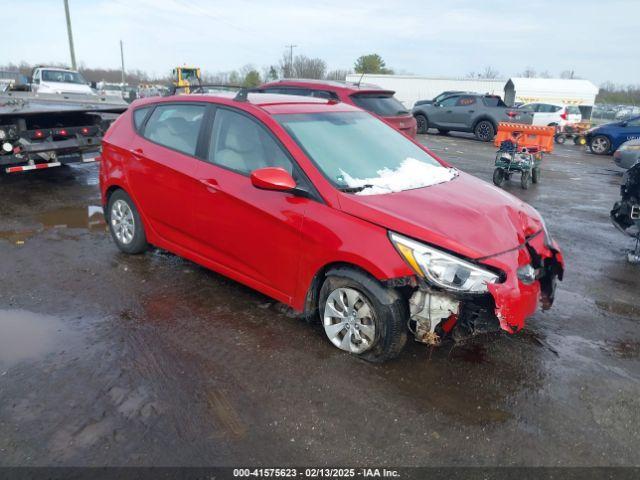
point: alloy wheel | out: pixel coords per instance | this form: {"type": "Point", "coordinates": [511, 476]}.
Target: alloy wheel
{"type": "Point", "coordinates": [348, 320]}
{"type": "Point", "coordinates": [122, 221]}
{"type": "Point", "coordinates": [600, 145]}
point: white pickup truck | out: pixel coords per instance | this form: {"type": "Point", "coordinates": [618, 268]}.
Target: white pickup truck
{"type": "Point", "coordinates": [59, 80]}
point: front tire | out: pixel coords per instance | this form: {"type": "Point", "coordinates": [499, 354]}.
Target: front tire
{"type": "Point", "coordinates": [422, 123]}
{"type": "Point", "coordinates": [600, 145]}
{"type": "Point", "coordinates": [125, 224]}
{"type": "Point", "coordinates": [484, 131]}
{"type": "Point", "coordinates": [362, 317]}
{"type": "Point", "coordinates": [499, 177]}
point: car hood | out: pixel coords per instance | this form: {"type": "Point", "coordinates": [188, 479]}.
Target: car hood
{"type": "Point", "coordinates": [65, 87]}
{"type": "Point", "coordinates": [466, 216]}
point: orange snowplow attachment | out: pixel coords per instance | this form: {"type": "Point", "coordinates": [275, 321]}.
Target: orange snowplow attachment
{"type": "Point", "coordinates": [526, 136]}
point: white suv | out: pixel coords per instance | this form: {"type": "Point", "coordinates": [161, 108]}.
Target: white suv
{"type": "Point", "coordinates": [554, 115]}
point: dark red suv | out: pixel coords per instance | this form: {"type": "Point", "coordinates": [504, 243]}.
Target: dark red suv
{"type": "Point", "coordinates": [368, 97]}
{"type": "Point", "coordinates": [328, 209]}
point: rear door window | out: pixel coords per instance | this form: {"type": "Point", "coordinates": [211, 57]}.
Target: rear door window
{"type": "Point", "coordinates": [380, 104]}
{"type": "Point", "coordinates": [465, 101]}
{"type": "Point", "coordinates": [176, 126]}
{"type": "Point", "coordinates": [573, 110]}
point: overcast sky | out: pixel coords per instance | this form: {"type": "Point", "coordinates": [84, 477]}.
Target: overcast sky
{"type": "Point", "coordinates": [599, 40]}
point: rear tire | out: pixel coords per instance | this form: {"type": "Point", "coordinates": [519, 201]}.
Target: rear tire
{"type": "Point", "coordinates": [422, 123]}
{"type": "Point", "coordinates": [535, 175]}
{"type": "Point", "coordinates": [387, 310]}
{"type": "Point", "coordinates": [525, 180]}
{"type": "Point", "coordinates": [125, 224]}
{"type": "Point", "coordinates": [499, 177]}
{"type": "Point", "coordinates": [484, 131]}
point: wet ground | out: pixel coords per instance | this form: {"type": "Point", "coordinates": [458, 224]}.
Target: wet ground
{"type": "Point", "coordinates": [108, 359]}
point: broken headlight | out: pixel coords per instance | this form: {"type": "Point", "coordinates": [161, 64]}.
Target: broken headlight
{"type": "Point", "coordinates": [442, 269]}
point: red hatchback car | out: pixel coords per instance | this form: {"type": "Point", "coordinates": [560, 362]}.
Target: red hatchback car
{"type": "Point", "coordinates": [327, 209]}
{"type": "Point", "coordinates": [368, 97]}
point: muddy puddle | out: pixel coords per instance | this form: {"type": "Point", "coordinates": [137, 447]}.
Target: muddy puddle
{"type": "Point", "coordinates": [88, 217]}
{"type": "Point", "coordinates": [26, 335]}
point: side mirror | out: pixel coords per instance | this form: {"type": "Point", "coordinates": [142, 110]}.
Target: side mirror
{"type": "Point", "coordinates": [273, 178]}
{"type": "Point", "coordinates": [436, 104]}
{"type": "Point", "coordinates": [624, 124]}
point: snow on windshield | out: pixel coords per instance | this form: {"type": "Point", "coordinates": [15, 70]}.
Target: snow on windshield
{"type": "Point", "coordinates": [410, 174]}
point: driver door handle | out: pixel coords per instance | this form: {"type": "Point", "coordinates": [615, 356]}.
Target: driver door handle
{"type": "Point", "coordinates": [136, 152]}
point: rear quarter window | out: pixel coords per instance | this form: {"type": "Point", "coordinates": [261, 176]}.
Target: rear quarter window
{"type": "Point", "coordinates": [139, 115]}
{"type": "Point", "coordinates": [573, 110]}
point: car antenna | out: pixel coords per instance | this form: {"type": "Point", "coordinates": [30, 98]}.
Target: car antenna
{"type": "Point", "coordinates": [360, 80]}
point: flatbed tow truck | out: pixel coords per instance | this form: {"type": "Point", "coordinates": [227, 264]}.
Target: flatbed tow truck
{"type": "Point", "coordinates": [47, 130]}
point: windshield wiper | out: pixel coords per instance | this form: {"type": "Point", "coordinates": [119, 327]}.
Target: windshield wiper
{"type": "Point", "coordinates": [354, 189]}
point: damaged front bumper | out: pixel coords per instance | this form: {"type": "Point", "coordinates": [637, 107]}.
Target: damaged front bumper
{"type": "Point", "coordinates": [530, 273]}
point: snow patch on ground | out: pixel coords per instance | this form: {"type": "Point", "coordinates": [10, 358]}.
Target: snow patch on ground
{"type": "Point", "coordinates": [410, 174]}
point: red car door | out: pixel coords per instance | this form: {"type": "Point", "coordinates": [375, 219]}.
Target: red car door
{"type": "Point", "coordinates": [253, 234]}
{"type": "Point", "coordinates": [163, 169]}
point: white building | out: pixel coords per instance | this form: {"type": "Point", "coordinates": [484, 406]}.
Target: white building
{"type": "Point", "coordinates": [411, 88]}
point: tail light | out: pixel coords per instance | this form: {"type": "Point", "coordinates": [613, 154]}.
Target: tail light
{"type": "Point", "coordinates": [84, 131]}
{"type": "Point", "coordinates": [38, 134]}
{"type": "Point", "coordinates": [62, 132]}
{"type": "Point", "coordinates": [512, 114]}
{"type": "Point", "coordinates": [564, 115]}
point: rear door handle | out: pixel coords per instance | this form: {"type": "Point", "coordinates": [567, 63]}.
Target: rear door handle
{"type": "Point", "coordinates": [471, 111]}
{"type": "Point", "coordinates": [136, 152]}
{"type": "Point", "coordinates": [448, 111]}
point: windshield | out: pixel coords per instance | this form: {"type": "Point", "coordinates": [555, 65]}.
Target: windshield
{"type": "Point", "coordinates": [62, 76]}
{"type": "Point", "coordinates": [384, 105]}
{"type": "Point", "coordinates": [359, 153]}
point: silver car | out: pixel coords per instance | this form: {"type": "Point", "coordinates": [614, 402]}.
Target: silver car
{"type": "Point", "coordinates": [628, 154]}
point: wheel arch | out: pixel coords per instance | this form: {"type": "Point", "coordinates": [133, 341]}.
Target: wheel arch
{"type": "Point", "coordinates": [313, 290]}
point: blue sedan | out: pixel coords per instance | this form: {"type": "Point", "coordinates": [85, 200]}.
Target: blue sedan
{"type": "Point", "coordinates": [607, 138]}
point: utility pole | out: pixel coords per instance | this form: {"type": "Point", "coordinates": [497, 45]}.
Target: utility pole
{"type": "Point", "coordinates": [70, 34]}
{"type": "Point", "coordinates": [122, 62]}
{"type": "Point", "coordinates": [291, 47]}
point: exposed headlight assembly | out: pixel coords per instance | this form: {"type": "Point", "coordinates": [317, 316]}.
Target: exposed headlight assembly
{"type": "Point", "coordinates": [443, 269]}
